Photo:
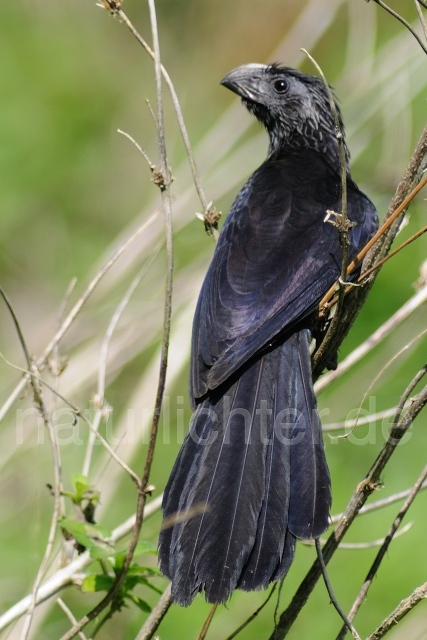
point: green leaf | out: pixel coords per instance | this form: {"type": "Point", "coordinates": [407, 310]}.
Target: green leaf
{"type": "Point", "coordinates": [97, 582]}
{"type": "Point", "coordinates": [144, 546]}
{"type": "Point", "coordinates": [77, 530]}
{"type": "Point", "coordinates": [97, 532]}
{"type": "Point", "coordinates": [118, 560]}
{"type": "Point", "coordinates": [144, 606]}
{"type": "Point", "coordinates": [80, 482]}
{"type": "Point", "coordinates": [147, 583]}
{"type": "Point", "coordinates": [98, 552]}
{"type": "Point", "coordinates": [130, 583]}
{"type": "Point", "coordinates": [91, 536]}
{"type": "Point", "coordinates": [150, 571]}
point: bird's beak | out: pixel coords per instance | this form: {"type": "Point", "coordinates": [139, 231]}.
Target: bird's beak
{"type": "Point", "coordinates": [245, 80]}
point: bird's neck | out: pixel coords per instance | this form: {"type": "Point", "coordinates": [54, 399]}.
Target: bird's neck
{"type": "Point", "coordinates": [326, 144]}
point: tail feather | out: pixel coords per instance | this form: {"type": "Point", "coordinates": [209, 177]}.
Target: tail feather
{"type": "Point", "coordinates": [310, 500]}
{"type": "Point", "coordinates": [233, 500]}
{"type": "Point", "coordinates": [272, 521]}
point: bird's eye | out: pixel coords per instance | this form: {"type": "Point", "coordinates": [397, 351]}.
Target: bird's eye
{"type": "Point", "coordinates": [280, 86]}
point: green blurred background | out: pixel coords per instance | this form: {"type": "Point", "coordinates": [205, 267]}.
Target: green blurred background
{"type": "Point", "coordinates": [72, 189]}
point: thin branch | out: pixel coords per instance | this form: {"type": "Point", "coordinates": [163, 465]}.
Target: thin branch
{"type": "Point", "coordinates": [342, 224]}
{"type": "Point", "coordinates": [55, 365]}
{"type": "Point", "coordinates": [352, 546]}
{"type": "Point", "coordinates": [334, 601]}
{"type": "Point", "coordinates": [387, 223]}
{"type": "Point", "coordinates": [404, 398]}
{"type": "Point", "coordinates": [382, 332]}
{"type": "Point", "coordinates": [80, 414]}
{"type": "Point", "coordinates": [253, 615]}
{"type": "Point", "coordinates": [93, 429]}
{"type": "Point", "coordinates": [358, 422]}
{"type": "Point", "coordinates": [65, 576]}
{"type": "Point", "coordinates": [70, 616]}
{"type": "Point", "coordinates": [404, 607]}
{"type": "Point", "coordinates": [383, 550]}
{"type": "Point", "coordinates": [211, 216]}
{"type": "Point", "coordinates": [40, 404]}
{"type": "Point", "coordinates": [380, 233]}
{"type": "Point", "coordinates": [203, 633]}
{"type": "Point", "coordinates": [359, 497]}
{"type": "Point", "coordinates": [56, 368]}
{"type": "Point", "coordinates": [156, 616]}
{"type": "Point", "coordinates": [403, 21]}
{"type": "Point", "coordinates": [167, 211]}
{"type": "Point", "coordinates": [42, 360]}
{"type": "Point", "coordinates": [100, 396]}
{"type": "Point", "coordinates": [380, 504]}
{"type": "Point", "coordinates": [17, 328]}
{"type": "Point", "coordinates": [356, 298]}
{"type": "Point", "coordinates": [421, 18]}
{"type": "Point", "coordinates": [151, 165]}
{"type": "Point", "coordinates": [57, 490]}
{"type": "Point", "coordinates": [380, 263]}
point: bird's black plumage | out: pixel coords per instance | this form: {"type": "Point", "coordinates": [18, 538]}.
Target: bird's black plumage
{"type": "Point", "coordinates": [251, 476]}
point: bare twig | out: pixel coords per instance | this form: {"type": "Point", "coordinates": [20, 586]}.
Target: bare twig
{"type": "Point", "coordinates": [156, 616]}
{"type": "Point", "coordinates": [211, 216]}
{"type": "Point", "coordinates": [382, 332]}
{"type": "Point", "coordinates": [359, 497]}
{"type": "Point", "coordinates": [342, 223]}
{"type": "Point", "coordinates": [100, 396]}
{"type": "Point", "coordinates": [42, 360]}
{"type": "Point", "coordinates": [56, 368]}
{"type": "Point", "coordinates": [342, 226]}
{"type": "Point", "coordinates": [403, 21]}
{"type": "Point", "coordinates": [404, 607]}
{"type": "Point", "coordinates": [163, 183]}
{"type": "Point", "coordinates": [358, 422]}
{"type": "Point", "coordinates": [332, 597]}
{"type": "Point", "coordinates": [353, 546]}
{"type": "Point", "coordinates": [94, 429]}
{"type": "Point", "coordinates": [363, 277]}
{"type": "Point", "coordinates": [253, 615]}
{"type": "Point", "coordinates": [404, 398]}
{"type": "Point", "coordinates": [421, 17]}
{"type": "Point", "coordinates": [207, 623]}
{"type": "Point", "coordinates": [382, 551]}
{"type": "Point", "coordinates": [70, 616]}
{"type": "Point", "coordinates": [411, 181]}
{"type": "Point", "coordinates": [388, 223]}
{"type": "Point", "coordinates": [66, 575]}
{"type": "Point", "coordinates": [380, 233]}
{"type": "Point", "coordinates": [380, 263]}
{"type": "Point", "coordinates": [81, 414]}
{"type": "Point", "coordinates": [379, 504]}
{"type": "Point", "coordinates": [40, 404]}
{"type": "Point", "coordinates": [151, 165]}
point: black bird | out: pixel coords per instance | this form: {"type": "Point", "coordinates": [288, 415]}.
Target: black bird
{"type": "Point", "coordinates": [251, 476]}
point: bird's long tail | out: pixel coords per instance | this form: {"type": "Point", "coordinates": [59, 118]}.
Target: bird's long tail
{"type": "Point", "coordinates": [250, 478]}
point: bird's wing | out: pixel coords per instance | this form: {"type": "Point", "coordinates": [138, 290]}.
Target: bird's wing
{"type": "Point", "coordinates": [275, 258]}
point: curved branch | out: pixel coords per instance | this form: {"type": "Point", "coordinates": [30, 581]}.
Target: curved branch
{"type": "Point", "coordinates": [361, 596]}
{"type": "Point", "coordinates": [357, 296]}
{"type": "Point", "coordinates": [404, 607]}
{"type": "Point", "coordinates": [358, 499]}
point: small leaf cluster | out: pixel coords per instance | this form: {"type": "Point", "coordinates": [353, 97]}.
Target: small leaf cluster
{"type": "Point", "coordinates": [98, 541]}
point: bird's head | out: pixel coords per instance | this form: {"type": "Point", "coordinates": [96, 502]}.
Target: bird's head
{"type": "Point", "coordinates": [294, 107]}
